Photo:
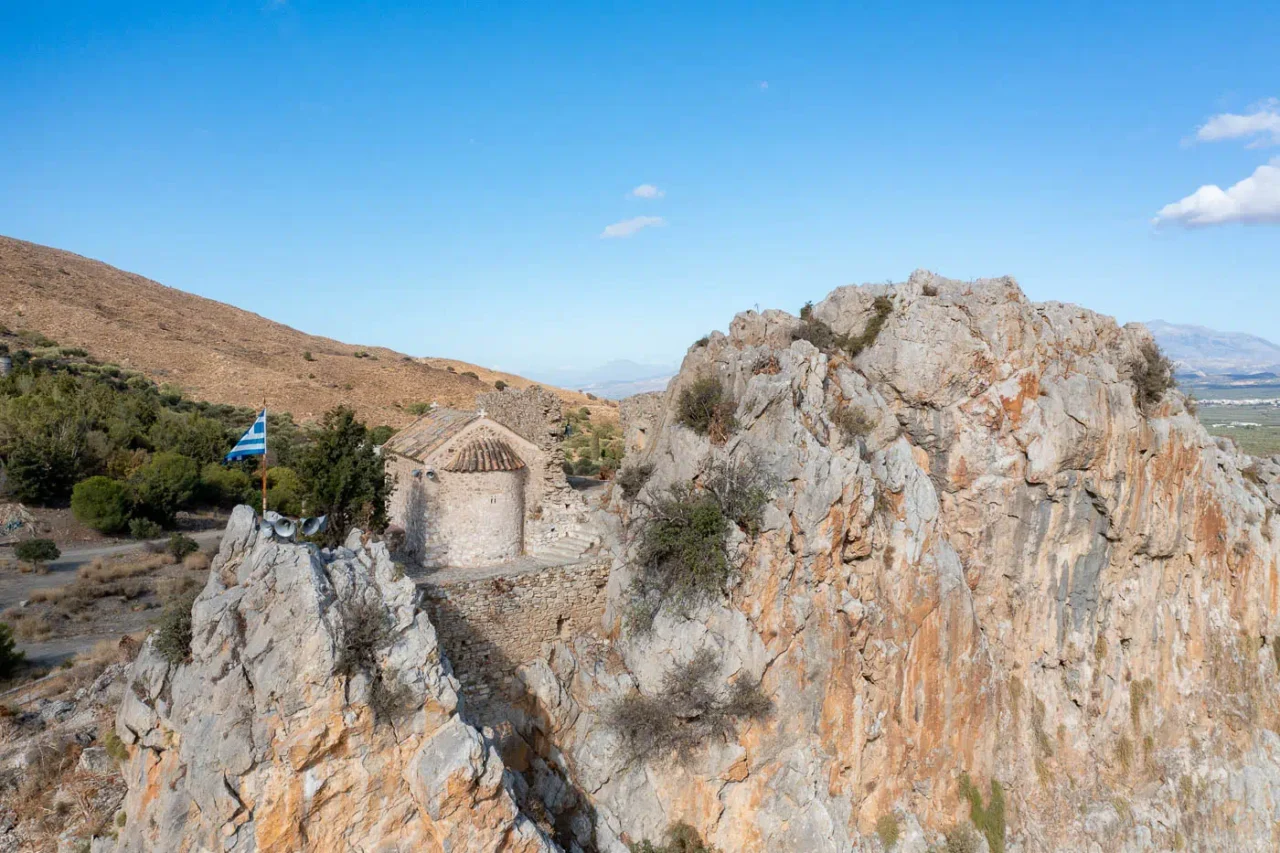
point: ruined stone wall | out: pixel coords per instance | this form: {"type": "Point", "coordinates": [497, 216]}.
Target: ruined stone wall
{"type": "Point", "coordinates": [535, 414]}
{"type": "Point", "coordinates": [489, 626]}
{"type": "Point", "coordinates": [641, 417]}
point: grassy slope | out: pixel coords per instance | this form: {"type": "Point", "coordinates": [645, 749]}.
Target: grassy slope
{"type": "Point", "coordinates": [215, 351]}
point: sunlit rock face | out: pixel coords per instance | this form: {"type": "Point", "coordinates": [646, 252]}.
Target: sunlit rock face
{"type": "Point", "coordinates": [1019, 573]}
{"type": "Point", "coordinates": [1014, 572]}
{"type": "Point", "coordinates": [285, 732]}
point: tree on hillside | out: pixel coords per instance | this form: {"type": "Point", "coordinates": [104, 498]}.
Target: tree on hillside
{"type": "Point", "coordinates": [164, 485]}
{"type": "Point", "coordinates": [37, 552]}
{"type": "Point", "coordinates": [102, 503]}
{"type": "Point", "coordinates": [10, 657]}
{"type": "Point", "coordinates": [344, 478]}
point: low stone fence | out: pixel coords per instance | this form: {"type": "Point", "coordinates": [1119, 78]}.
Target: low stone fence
{"type": "Point", "coordinates": [489, 626]}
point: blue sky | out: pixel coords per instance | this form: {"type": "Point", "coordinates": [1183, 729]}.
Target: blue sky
{"type": "Point", "coordinates": [439, 178]}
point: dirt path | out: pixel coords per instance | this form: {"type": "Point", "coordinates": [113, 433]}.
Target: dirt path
{"type": "Point", "coordinates": [54, 652]}
{"type": "Point", "coordinates": [16, 587]}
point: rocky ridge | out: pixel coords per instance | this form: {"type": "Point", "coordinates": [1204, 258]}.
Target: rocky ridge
{"type": "Point", "coordinates": [315, 713]}
{"type": "Point", "coordinates": [1017, 575]}
{"type": "Point", "coordinates": [1017, 583]}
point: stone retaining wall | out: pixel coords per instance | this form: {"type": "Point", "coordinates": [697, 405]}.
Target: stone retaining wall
{"type": "Point", "coordinates": [488, 627]}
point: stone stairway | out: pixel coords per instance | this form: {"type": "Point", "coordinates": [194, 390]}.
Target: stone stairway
{"type": "Point", "coordinates": [566, 549]}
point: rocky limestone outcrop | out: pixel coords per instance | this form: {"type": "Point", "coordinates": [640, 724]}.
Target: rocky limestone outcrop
{"type": "Point", "coordinates": [316, 712]}
{"type": "Point", "coordinates": [1009, 569]}
{"type": "Point", "coordinates": [1018, 573]}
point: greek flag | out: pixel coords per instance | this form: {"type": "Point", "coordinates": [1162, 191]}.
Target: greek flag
{"type": "Point", "coordinates": [253, 442]}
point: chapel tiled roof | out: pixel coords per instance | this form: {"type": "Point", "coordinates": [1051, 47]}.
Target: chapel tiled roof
{"type": "Point", "coordinates": [428, 432]}
{"type": "Point", "coordinates": [485, 453]}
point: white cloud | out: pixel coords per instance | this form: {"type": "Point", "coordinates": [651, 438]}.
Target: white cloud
{"type": "Point", "coordinates": [629, 227]}
{"type": "Point", "coordinates": [764, 85]}
{"type": "Point", "coordinates": [1263, 123]}
{"type": "Point", "coordinates": [647, 191]}
{"type": "Point", "coordinates": [1254, 200]}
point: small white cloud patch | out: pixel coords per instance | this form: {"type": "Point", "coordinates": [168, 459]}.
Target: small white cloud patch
{"type": "Point", "coordinates": [1254, 200]}
{"type": "Point", "coordinates": [632, 226]}
{"type": "Point", "coordinates": [1261, 127]}
{"type": "Point", "coordinates": [647, 191]}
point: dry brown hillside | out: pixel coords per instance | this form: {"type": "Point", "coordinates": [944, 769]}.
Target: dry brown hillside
{"type": "Point", "coordinates": [218, 352]}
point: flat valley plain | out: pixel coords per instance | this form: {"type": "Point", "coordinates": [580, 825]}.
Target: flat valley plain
{"type": "Point", "coordinates": [1253, 423]}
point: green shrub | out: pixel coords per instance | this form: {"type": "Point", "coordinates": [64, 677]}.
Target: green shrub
{"type": "Point", "coordinates": [1124, 754]}
{"type": "Point", "coordinates": [988, 819]}
{"type": "Point", "coordinates": [116, 749]}
{"type": "Point", "coordinates": [192, 435]}
{"type": "Point", "coordinates": [173, 633]}
{"type": "Point", "coordinates": [882, 309]}
{"type": "Point", "coordinates": [500, 385]}
{"type": "Point", "coordinates": [285, 491]}
{"type": "Point", "coordinates": [10, 658]}
{"type": "Point", "coordinates": [961, 839]}
{"type": "Point", "coordinates": [470, 374]}
{"type": "Point", "coordinates": [361, 354]}
{"type": "Point", "coordinates": [705, 408]}
{"type": "Point", "coordinates": [683, 558]}
{"type": "Point", "coordinates": [307, 356]}
{"type": "Point", "coordinates": [419, 408]}
{"type": "Point", "coordinates": [225, 487]}
{"type": "Point", "coordinates": [826, 339]}
{"type": "Point", "coordinates": [36, 551]}
{"type": "Point", "coordinates": [144, 528]}
{"type": "Point", "coordinates": [102, 503]}
{"type": "Point", "coordinates": [380, 435]}
{"type": "Point", "coordinates": [344, 476]}
{"type": "Point", "coordinates": [888, 830]}
{"type": "Point", "coordinates": [179, 546]}
{"type": "Point", "coordinates": [632, 479]}
{"type": "Point", "coordinates": [43, 469]}
{"type": "Point", "coordinates": [164, 485]}
{"type": "Point", "coordinates": [680, 838]}
{"type": "Point", "coordinates": [688, 710]}
{"type": "Point", "coordinates": [1152, 374]}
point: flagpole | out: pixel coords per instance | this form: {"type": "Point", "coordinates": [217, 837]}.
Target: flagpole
{"type": "Point", "coordinates": [264, 457]}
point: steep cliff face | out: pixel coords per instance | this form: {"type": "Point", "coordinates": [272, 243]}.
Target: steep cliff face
{"type": "Point", "coordinates": [315, 713]}
{"type": "Point", "coordinates": [1019, 573]}
{"type": "Point", "coordinates": [991, 570]}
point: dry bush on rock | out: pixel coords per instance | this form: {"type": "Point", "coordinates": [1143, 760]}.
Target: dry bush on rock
{"type": "Point", "coordinates": [173, 634]}
{"type": "Point", "coordinates": [684, 558]}
{"type": "Point", "coordinates": [632, 478]}
{"type": "Point", "coordinates": [853, 422]}
{"type": "Point", "coordinates": [680, 838]}
{"type": "Point", "coordinates": [689, 710]}
{"type": "Point", "coordinates": [197, 562]}
{"type": "Point", "coordinates": [707, 409]}
{"type": "Point", "coordinates": [1152, 374]}
{"type": "Point", "coordinates": [827, 339]}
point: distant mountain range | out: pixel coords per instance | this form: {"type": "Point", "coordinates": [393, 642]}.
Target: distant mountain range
{"type": "Point", "coordinates": [1203, 351]}
{"type": "Point", "coordinates": [613, 380]}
